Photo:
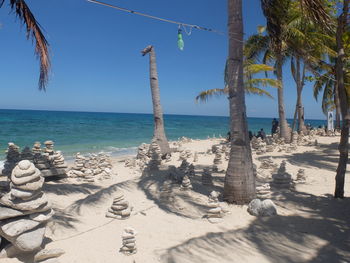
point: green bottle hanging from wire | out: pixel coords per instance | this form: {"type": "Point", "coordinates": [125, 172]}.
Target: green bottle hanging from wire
{"type": "Point", "coordinates": [180, 41]}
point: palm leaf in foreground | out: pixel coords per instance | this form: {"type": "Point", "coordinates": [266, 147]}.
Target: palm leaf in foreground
{"type": "Point", "coordinates": [34, 32]}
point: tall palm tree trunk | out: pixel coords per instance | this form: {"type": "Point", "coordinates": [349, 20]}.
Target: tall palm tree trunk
{"type": "Point", "coordinates": [337, 108]}
{"type": "Point", "coordinates": [300, 86]}
{"type": "Point", "coordinates": [343, 99]}
{"type": "Point", "coordinates": [159, 132]}
{"type": "Point", "coordinates": [284, 130]}
{"type": "Point", "coordinates": [239, 184]}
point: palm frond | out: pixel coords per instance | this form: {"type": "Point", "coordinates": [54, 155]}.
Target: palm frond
{"type": "Point", "coordinates": [257, 68]}
{"type": "Point", "coordinates": [265, 82]}
{"type": "Point", "coordinates": [257, 91]}
{"type": "Point", "coordinates": [315, 9]}
{"type": "Point", "coordinates": [33, 30]}
{"type": "Point", "coordinates": [207, 94]}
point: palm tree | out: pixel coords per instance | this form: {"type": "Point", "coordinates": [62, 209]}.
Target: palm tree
{"type": "Point", "coordinates": [276, 13]}
{"type": "Point", "coordinates": [33, 30]}
{"type": "Point", "coordinates": [159, 132]}
{"type": "Point", "coordinates": [251, 85]}
{"type": "Point", "coordinates": [344, 102]}
{"type": "Point", "coordinates": [239, 184]}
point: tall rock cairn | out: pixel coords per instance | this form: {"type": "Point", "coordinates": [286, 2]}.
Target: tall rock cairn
{"type": "Point", "coordinates": [129, 241]}
{"type": "Point", "coordinates": [155, 156]}
{"type": "Point", "coordinates": [25, 210]}
{"type": "Point", "coordinates": [215, 212]}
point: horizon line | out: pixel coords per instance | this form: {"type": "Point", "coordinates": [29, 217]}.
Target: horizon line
{"type": "Point", "coordinates": [176, 114]}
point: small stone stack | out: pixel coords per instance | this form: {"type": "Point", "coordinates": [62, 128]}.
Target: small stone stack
{"type": "Point", "coordinates": [49, 147]}
{"type": "Point", "coordinates": [142, 157]}
{"type": "Point", "coordinates": [186, 183]}
{"type": "Point", "coordinates": [36, 148]}
{"type": "Point", "coordinates": [51, 163]}
{"type": "Point", "coordinates": [301, 178]}
{"type": "Point", "coordinates": [185, 155]}
{"type": "Point", "coordinates": [155, 155]}
{"type": "Point", "coordinates": [282, 179]}
{"type": "Point", "coordinates": [13, 156]}
{"type": "Point", "coordinates": [268, 164]}
{"type": "Point", "coordinates": [25, 210]}
{"type": "Point", "coordinates": [215, 212]}
{"type": "Point", "coordinates": [129, 241]}
{"type": "Point", "coordinates": [207, 178]}
{"type": "Point", "coordinates": [120, 208]}
{"type": "Point", "coordinates": [263, 191]}
{"type": "Point", "coordinates": [89, 168]}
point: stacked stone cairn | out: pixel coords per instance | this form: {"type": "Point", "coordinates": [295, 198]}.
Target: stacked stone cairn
{"type": "Point", "coordinates": [120, 208]}
{"type": "Point", "coordinates": [25, 210]}
{"type": "Point", "coordinates": [268, 164]}
{"type": "Point", "coordinates": [186, 183]}
{"type": "Point", "coordinates": [215, 213]}
{"type": "Point", "coordinates": [282, 179]}
{"type": "Point", "coordinates": [142, 157]}
{"type": "Point", "coordinates": [50, 162]}
{"type": "Point", "coordinates": [301, 178]}
{"type": "Point", "coordinates": [89, 168]}
{"type": "Point", "coordinates": [207, 178]}
{"type": "Point", "coordinates": [13, 156]}
{"type": "Point", "coordinates": [263, 191]}
{"type": "Point", "coordinates": [155, 156]}
{"type": "Point", "coordinates": [129, 241]}
{"type": "Point", "coordinates": [217, 160]}
{"type": "Point", "coordinates": [185, 155]}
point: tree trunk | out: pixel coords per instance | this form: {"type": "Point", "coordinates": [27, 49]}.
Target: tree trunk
{"type": "Point", "coordinates": [284, 129]}
{"type": "Point", "coordinates": [337, 108]}
{"type": "Point", "coordinates": [239, 184]}
{"type": "Point", "coordinates": [300, 86]}
{"type": "Point", "coordinates": [343, 99]}
{"type": "Point", "coordinates": [159, 132]}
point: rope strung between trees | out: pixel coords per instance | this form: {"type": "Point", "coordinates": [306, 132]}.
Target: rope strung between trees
{"type": "Point", "coordinates": [191, 26]}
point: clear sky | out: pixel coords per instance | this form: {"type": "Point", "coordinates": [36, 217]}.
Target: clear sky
{"type": "Point", "coordinates": [97, 64]}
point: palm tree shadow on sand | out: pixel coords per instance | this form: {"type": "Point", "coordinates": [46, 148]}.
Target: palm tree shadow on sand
{"type": "Point", "coordinates": [321, 235]}
{"type": "Point", "coordinates": [168, 195]}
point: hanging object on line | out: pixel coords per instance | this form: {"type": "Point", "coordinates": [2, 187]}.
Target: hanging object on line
{"type": "Point", "coordinates": [180, 41]}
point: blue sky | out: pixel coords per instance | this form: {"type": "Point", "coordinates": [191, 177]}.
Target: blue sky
{"type": "Point", "coordinates": [97, 65]}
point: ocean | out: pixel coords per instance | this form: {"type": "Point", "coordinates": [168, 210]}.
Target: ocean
{"type": "Point", "coordinates": [113, 133]}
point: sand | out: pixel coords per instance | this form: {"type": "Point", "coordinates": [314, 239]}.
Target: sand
{"type": "Point", "coordinates": [311, 226]}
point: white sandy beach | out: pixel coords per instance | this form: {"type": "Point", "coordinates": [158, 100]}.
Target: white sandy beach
{"type": "Point", "coordinates": [311, 226]}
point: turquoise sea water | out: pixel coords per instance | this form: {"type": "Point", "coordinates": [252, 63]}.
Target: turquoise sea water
{"type": "Point", "coordinates": [116, 133]}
